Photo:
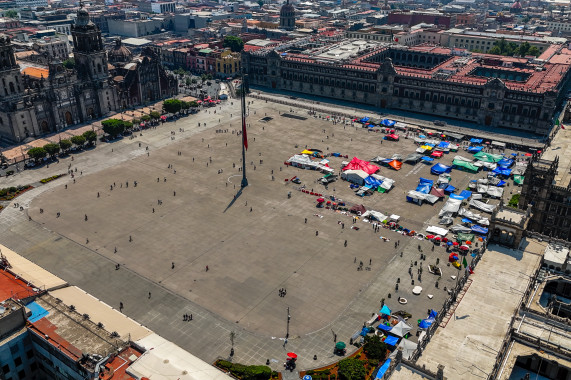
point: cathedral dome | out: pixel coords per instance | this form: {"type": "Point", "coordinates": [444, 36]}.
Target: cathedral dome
{"type": "Point", "coordinates": [119, 53]}
{"type": "Point", "coordinates": [82, 17]}
{"type": "Point", "coordinates": [287, 9]}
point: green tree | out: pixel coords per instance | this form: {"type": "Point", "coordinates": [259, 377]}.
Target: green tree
{"type": "Point", "coordinates": [188, 81]}
{"type": "Point", "coordinates": [155, 115]}
{"type": "Point", "coordinates": [37, 153]}
{"type": "Point", "coordinates": [523, 49]}
{"type": "Point", "coordinates": [180, 72]}
{"type": "Point", "coordinates": [495, 50]}
{"type": "Point", "coordinates": [193, 81]}
{"type": "Point", "coordinates": [208, 76]}
{"type": "Point", "coordinates": [375, 348]}
{"type": "Point", "coordinates": [78, 140]}
{"type": "Point", "coordinates": [145, 117]}
{"type": "Point", "coordinates": [69, 63]}
{"type": "Point", "coordinates": [234, 43]}
{"type": "Point", "coordinates": [65, 144]}
{"type": "Point", "coordinates": [193, 104]}
{"type": "Point", "coordinates": [90, 136]}
{"type": "Point", "coordinates": [185, 105]}
{"type": "Point", "coordinates": [352, 369]}
{"type": "Point", "coordinates": [172, 105]}
{"type": "Point", "coordinates": [203, 78]}
{"type": "Point", "coordinates": [127, 125]}
{"type": "Point", "coordinates": [52, 149]}
{"type": "Point", "coordinates": [261, 3]}
{"type": "Point", "coordinates": [113, 127]}
{"type": "Point", "coordinates": [11, 14]}
{"type": "Point", "coordinates": [533, 51]}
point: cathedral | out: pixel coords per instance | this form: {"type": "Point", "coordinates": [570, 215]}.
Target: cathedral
{"type": "Point", "coordinates": [99, 84]}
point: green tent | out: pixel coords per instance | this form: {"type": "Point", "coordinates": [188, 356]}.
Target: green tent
{"type": "Point", "coordinates": [340, 345]}
{"type": "Point", "coordinates": [468, 166]}
{"type": "Point", "coordinates": [518, 179]}
{"type": "Point", "coordinates": [464, 237]}
{"type": "Point", "coordinates": [488, 157]}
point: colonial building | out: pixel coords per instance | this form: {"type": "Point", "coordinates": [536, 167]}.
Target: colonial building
{"type": "Point", "coordinates": [37, 101]}
{"type": "Point", "coordinates": [287, 16]}
{"type": "Point", "coordinates": [518, 93]}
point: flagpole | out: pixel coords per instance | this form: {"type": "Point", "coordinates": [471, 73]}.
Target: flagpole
{"type": "Point", "coordinates": [244, 141]}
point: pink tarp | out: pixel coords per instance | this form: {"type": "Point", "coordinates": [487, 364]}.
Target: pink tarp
{"type": "Point", "coordinates": [357, 164]}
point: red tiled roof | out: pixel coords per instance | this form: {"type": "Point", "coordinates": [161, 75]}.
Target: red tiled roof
{"type": "Point", "coordinates": [13, 287]}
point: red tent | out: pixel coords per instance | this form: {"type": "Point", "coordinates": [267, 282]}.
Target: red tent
{"type": "Point", "coordinates": [438, 192]}
{"type": "Point", "coordinates": [437, 153]}
{"type": "Point", "coordinates": [393, 137]}
{"type": "Point", "coordinates": [357, 164]}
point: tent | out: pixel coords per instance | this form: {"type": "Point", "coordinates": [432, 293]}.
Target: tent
{"type": "Point", "coordinates": [407, 347]}
{"type": "Point", "coordinates": [386, 183]}
{"type": "Point", "coordinates": [437, 192]}
{"type": "Point", "coordinates": [371, 214]}
{"type": "Point", "coordinates": [358, 209]}
{"type": "Point", "coordinates": [365, 119]}
{"type": "Point", "coordinates": [384, 327]}
{"type": "Point", "coordinates": [465, 194]}
{"type": "Point", "coordinates": [495, 192]}
{"type": "Point", "coordinates": [388, 123]}
{"type": "Point", "coordinates": [450, 189]}
{"type": "Point", "coordinates": [439, 169]}
{"type": "Point", "coordinates": [437, 231]}
{"type": "Point", "coordinates": [395, 164]}
{"type": "Point", "coordinates": [443, 145]}
{"type": "Point", "coordinates": [355, 176]}
{"type": "Point", "coordinates": [401, 329]}
{"type": "Point", "coordinates": [372, 182]}
{"type": "Point", "coordinates": [437, 153]}
{"type": "Point", "coordinates": [412, 158]}
{"type": "Point", "coordinates": [505, 162]}
{"type": "Point", "coordinates": [480, 230]}
{"type": "Point", "coordinates": [459, 229]}
{"type": "Point", "coordinates": [418, 197]}
{"type": "Point", "coordinates": [357, 164]}
{"type": "Point", "coordinates": [385, 310]}
{"type": "Point", "coordinates": [476, 141]}
{"type": "Point", "coordinates": [502, 171]}
{"type": "Point", "coordinates": [392, 137]}
{"type": "Point", "coordinates": [384, 368]}
{"type": "Point", "coordinates": [464, 165]}
{"type": "Point", "coordinates": [305, 151]}
{"type": "Point", "coordinates": [426, 147]}
{"type": "Point", "coordinates": [475, 149]}
{"type": "Point", "coordinates": [475, 217]}
{"type": "Point", "coordinates": [518, 179]}
{"type": "Point", "coordinates": [488, 157]}
{"type": "Point", "coordinates": [482, 206]}
{"type": "Point", "coordinates": [427, 159]}
{"type": "Point", "coordinates": [424, 185]}
{"type": "Point", "coordinates": [391, 340]}
{"type": "Point", "coordinates": [462, 236]}
{"type": "Point", "coordinates": [461, 158]}
{"type": "Point", "coordinates": [450, 207]}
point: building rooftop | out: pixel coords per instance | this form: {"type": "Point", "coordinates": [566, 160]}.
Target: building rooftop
{"type": "Point", "coordinates": [556, 254]}
{"type": "Point", "coordinates": [561, 147]}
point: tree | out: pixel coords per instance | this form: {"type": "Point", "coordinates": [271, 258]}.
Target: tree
{"type": "Point", "coordinates": [180, 72]}
{"type": "Point", "coordinates": [261, 3]}
{"type": "Point", "coordinates": [127, 125]}
{"type": "Point", "coordinates": [52, 149]}
{"type": "Point", "coordinates": [375, 348]}
{"type": "Point", "coordinates": [37, 153]}
{"type": "Point", "coordinates": [145, 118]}
{"type": "Point", "coordinates": [113, 127]}
{"type": "Point", "coordinates": [208, 76]}
{"type": "Point", "coordinates": [188, 82]}
{"type": "Point", "coordinates": [11, 14]}
{"type": "Point", "coordinates": [193, 81]}
{"type": "Point", "coordinates": [172, 105]}
{"type": "Point", "coordinates": [90, 136]}
{"type": "Point", "coordinates": [234, 43]}
{"type": "Point", "coordinates": [78, 140]}
{"type": "Point", "coordinates": [523, 49]}
{"type": "Point", "coordinates": [185, 105]}
{"type": "Point", "coordinates": [69, 63]}
{"type": "Point", "coordinates": [352, 369]}
{"type": "Point", "coordinates": [533, 51]}
{"type": "Point", "coordinates": [193, 104]}
{"type": "Point", "coordinates": [203, 78]}
{"type": "Point", "coordinates": [65, 144]}
{"type": "Point", "coordinates": [155, 115]}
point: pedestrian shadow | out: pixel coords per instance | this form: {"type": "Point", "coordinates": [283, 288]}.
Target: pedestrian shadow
{"type": "Point", "coordinates": [233, 200]}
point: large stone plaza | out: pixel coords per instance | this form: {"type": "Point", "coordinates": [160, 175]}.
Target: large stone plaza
{"type": "Point", "coordinates": [182, 217]}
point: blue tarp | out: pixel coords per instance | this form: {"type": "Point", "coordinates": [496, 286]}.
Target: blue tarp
{"type": "Point", "coordinates": [451, 189]}
{"type": "Point", "coordinates": [480, 230]}
{"type": "Point", "coordinates": [476, 141]}
{"type": "Point", "coordinates": [440, 168]}
{"type": "Point", "coordinates": [466, 220]}
{"type": "Point", "coordinates": [501, 183]}
{"type": "Point", "coordinates": [426, 323]}
{"type": "Point", "coordinates": [466, 194]}
{"type": "Point", "coordinates": [373, 182]}
{"type": "Point", "coordinates": [392, 340]}
{"type": "Point", "coordinates": [427, 159]}
{"type": "Point", "coordinates": [424, 185]}
{"type": "Point", "coordinates": [385, 310]}
{"type": "Point", "coordinates": [502, 171]}
{"type": "Point", "coordinates": [475, 149]}
{"type": "Point", "coordinates": [384, 327]}
{"type": "Point", "coordinates": [336, 154]}
{"type": "Point", "coordinates": [365, 119]}
{"type": "Point", "coordinates": [444, 144]}
{"type": "Point", "coordinates": [505, 162]}
{"type": "Point", "coordinates": [430, 145]}
{"type": "Point", "coordinates": [364, 331]}
{"type": "Point", "coordinates": [38, 312]}
{"type": "Point", "coordinates": [388, 123]}
{"type": "Point", "coordinates": [384, 368]}
{"type": "Point", "coordinates": [433, 313]}
{"type": "Point", "coordinates": [454, 196]}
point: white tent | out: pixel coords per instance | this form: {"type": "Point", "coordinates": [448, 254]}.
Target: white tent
{"type": "Point", "coordinates": [407, 347]}
{"type": "Point", "coordinates": [374, 214]}
{"type": "Point", "coordinates": [451, 206]}
{"type": "Point", "coordinates": [482, 206]}
{"type": "Point", "coordinates": [460, 158]}
{"type": "Point", "coordinates": [496, 192]}
{"type": "Point", "coordinates": [387, 182]}
{"type": "Point", "coordinates": [434, 230]}
{"type": "Point", "coordinates": [401, 329]}
{"type": "Point", "coordinates": [481, 188]}
{"type": "Point", "coordinates": [458, 228]}
{"type": "Point", "coordinates": [354, 176]}
{"type": "Point", "coordinates": [413, 194]}
{"type": "Point", "coordinates": [475, 217]}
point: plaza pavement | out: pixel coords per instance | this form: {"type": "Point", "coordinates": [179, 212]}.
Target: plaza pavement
{"type": "Point", "coordinates": [337, 304]}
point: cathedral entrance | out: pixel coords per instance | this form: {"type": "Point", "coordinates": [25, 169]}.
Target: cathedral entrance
{"type": "Point", "coordinates": [44, 127]}
{"type": "Point", "coordinates": [68, 118]}
{"type": "Point", "coordinates": [90, 113]}
{"type": "Point", "coordinates": [488, 120]}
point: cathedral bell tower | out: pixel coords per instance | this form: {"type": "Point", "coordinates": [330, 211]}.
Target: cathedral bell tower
{"type": "Point", "coordinates": [11, 80]}
{"type": "Point", "coordinates": [90, 56]}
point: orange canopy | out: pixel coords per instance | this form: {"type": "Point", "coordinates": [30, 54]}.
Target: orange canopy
{"type": "Point", "coordinates": [395, 164]}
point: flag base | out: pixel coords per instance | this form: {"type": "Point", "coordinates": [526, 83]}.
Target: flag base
{"type": "Point", "coordinates": [244, 182]}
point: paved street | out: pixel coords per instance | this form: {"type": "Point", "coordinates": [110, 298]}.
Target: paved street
{"type": "Point", "coordinates": [253, 248]}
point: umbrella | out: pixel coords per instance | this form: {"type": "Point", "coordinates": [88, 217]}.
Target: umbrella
{"type": "Point", "coordinates": [142, 124]}
{"type": "Point", "coordinates": [438, 238]}
{"type": "Point", "coordinates": [528, 154]}
{"type": "Point", "coordinates": [464, 247]}
{"type": "Point", "coordinates": [468, 242]}
{"type": "Point", "coordinates": [292, 355]}
{"type": "Point", "coordinates": [449, 243]}
{"type": "Point", "coordinates": [340, 345]}
{"type": "Point", "coordinates": [430, 236]}
{"type": "Point", "coordinates": [455, 243]}
{"type": "Point", "coordinates": [445, 239]}
{"type": "Point", "coordinates": [514, 154]}
{"type": "Point", "coordinates": [320, 200]}
{"type": "Point", "coordinates": [307, 377]}
{"type": "Point", "coordinates": [163, 117]}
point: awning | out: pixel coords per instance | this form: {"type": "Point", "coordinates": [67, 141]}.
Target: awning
{"type": "Point", "coordinates": [476, 141]}
{"type": "Point", "coordinates": [499, 144]}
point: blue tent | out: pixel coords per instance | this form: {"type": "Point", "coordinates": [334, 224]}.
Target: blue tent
{"type": "Point", "coordinates": [451, 189]}
{"type": "Point", "coordinates": [364, 331]}
{"type": "Point", "coordinates": [426, 323]}
{"type": "Point", "coordinates": [384, 368]}
{"type": "Point", "coordinates": [385, 310]}
{"type": "Point", "coordinates": [505, 162]}
{"type": "Point", "coordinates": [444, 144]}
{"type": "Point", "coordinates": [424, 185]}
{"type": "Point", "coordinates": [440, 168]}
{"type": "Point", "coordinates": [454, 196]}
{"type": "Point", "coordinates": [475, 149]}
{"type": "Point", "coordinates": [384, 327]}
{"type": "Point", "coordinates": [388, 123]}
{"type": "Point", "coordinates": [430, 145]}
{"type": "Point", "coordinates": [479, 230]}
{"type": "Point", "coordinates": [502, 171]}
{"type": "Point", "coordinates": [433, 313]}
{"type": "Point", "coordinates": [466, 194]}
{"type": "Point", "coordinates": [392, 340]}
{"type": "Point", "coordinates": [427, 159]}
{"type": "Point", "coordinates": [476, 141]}
{"type": "Point", "coordinates": [364, 120]}
{"type": "Point", "coordinates": [501, 183]}
{"type": "Point", "coordinates": [466, 220]}
{"type": "Point", "coordinates": [373, 182]}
